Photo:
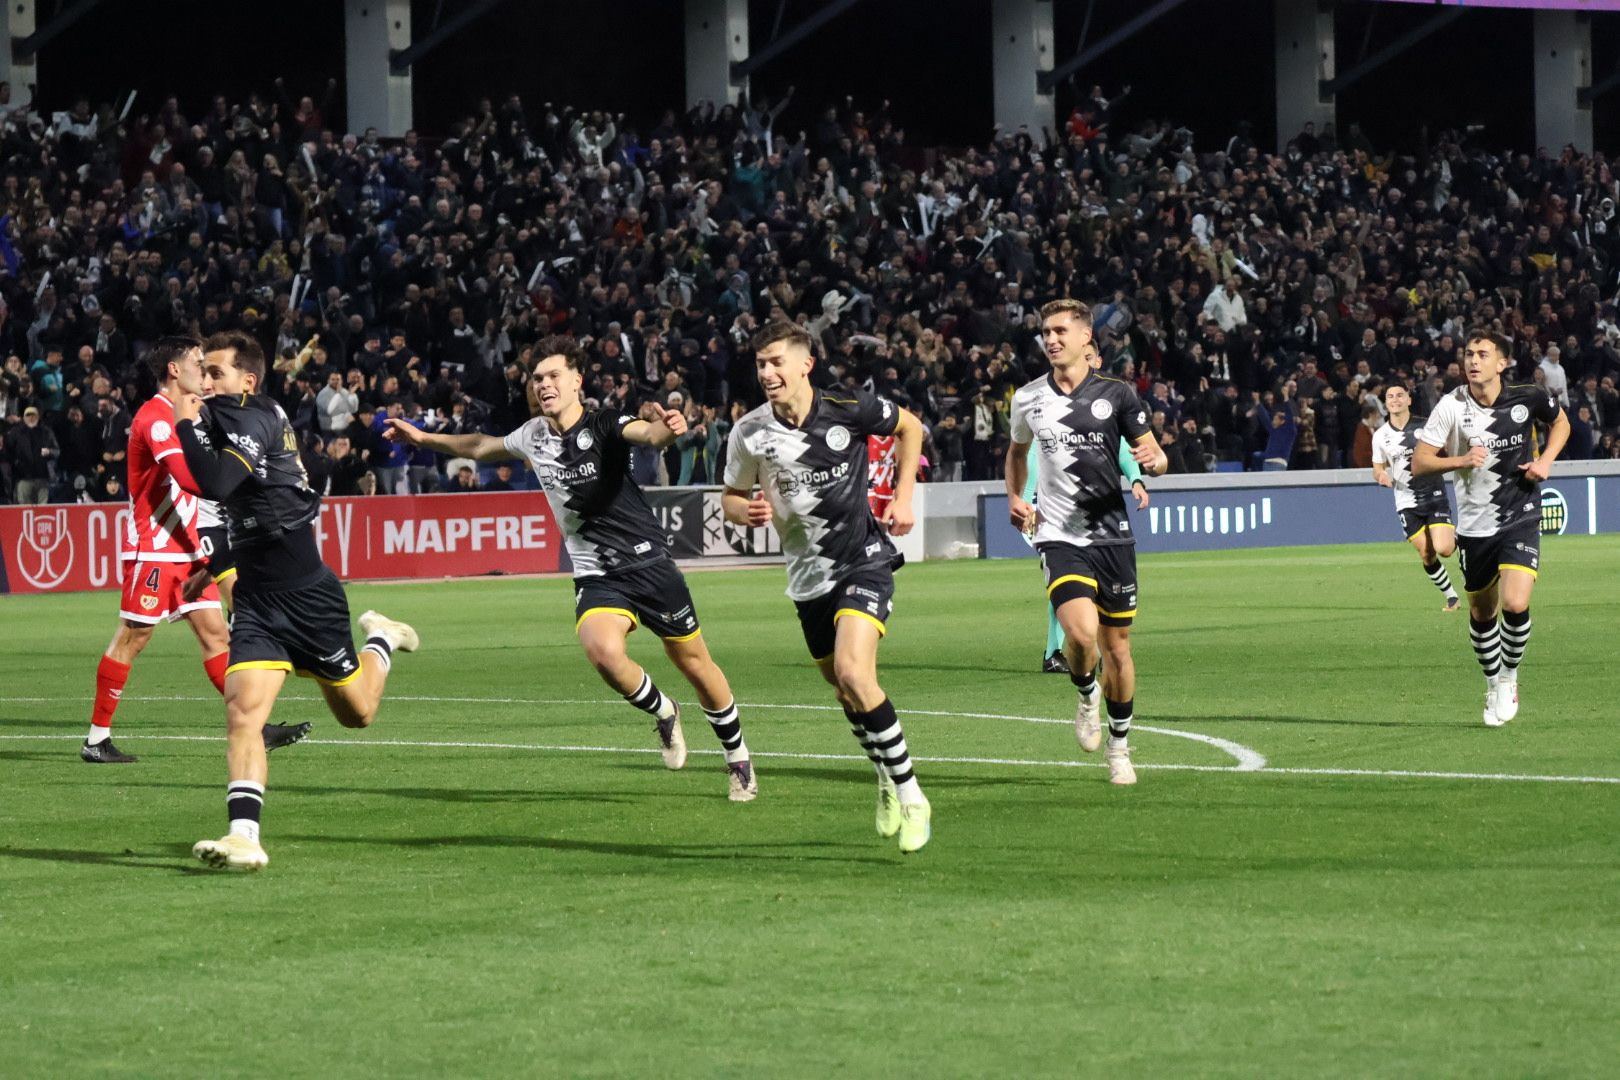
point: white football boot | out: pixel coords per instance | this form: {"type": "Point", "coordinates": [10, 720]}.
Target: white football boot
{"type": "Point", "coordinates": [1491, 719]}
{"type": "Point", "coordinates": [1088, 719]}
{"type": "Point", "coordinates": [231, 852]}
{"type": "Point", "coordinates": [1507, 695]}
{"type": "Point", "coordinates": [399, 635]}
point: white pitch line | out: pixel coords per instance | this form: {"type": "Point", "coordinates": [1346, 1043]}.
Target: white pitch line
{"type": "Point", "coordinates": [1247, 760]}
{"type": "Point", "coordinates": [1268, 770]}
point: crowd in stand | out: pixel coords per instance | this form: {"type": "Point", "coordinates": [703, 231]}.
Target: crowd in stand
{"type": "Point", "coordinates": [1260, 302]}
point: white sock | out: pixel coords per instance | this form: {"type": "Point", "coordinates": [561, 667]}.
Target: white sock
{"type": "Point", "coordinates": [98, 735]}
{"type": "Point", "coordinates": [909, 791]}
{"type": "Point", "coordinates": [245, 827]}
{"type": "Point", "coordinates": [739, 754]}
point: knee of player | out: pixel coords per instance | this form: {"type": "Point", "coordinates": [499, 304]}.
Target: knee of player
{"type": "Point", "coordinates": [855, 682]}
{"type": "Point", "coordinates": [351, 719]}
{"type": "Point", "coordinates": [604, 654]}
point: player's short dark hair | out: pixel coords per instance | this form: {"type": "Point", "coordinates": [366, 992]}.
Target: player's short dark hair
{"type": "Point", "coordinates": [559, 345]}
{"type": "Point", "coordinates": [782, 330]}
{"type": "Point", "coordinates": [1068, 305]}
{"type": "Point", "coordinates": [1383, 394]}
{"type": "Point", "coordinates": [249, 357]}
{"type": "Point", "coordinates": [1503, 345]}
{"type": "Point", "coordinates": [168, 349]}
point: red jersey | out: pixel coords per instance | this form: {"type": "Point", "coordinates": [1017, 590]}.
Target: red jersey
{"type": "Point", "coordinates": [163, 520]}
{"type": "Point", "coordinates": [879, 472]}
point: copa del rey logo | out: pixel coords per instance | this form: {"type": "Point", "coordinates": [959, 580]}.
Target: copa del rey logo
{"type": "Point", "coordinates": [44, 548]}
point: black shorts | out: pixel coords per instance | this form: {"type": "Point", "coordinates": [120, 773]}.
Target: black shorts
{"type": "Point", "coordinates": [1418, 518]}
{"type": "Point", "coordinates": [1104, 574]}
{"type": "Point", "coordinates": [303, 629]}
{"type": "Point", "coordinates": [1483, 558]}
{"type": "Point", "coordinates": [866, 593]}
{"type": "Point", "coordinates": [655, 595]}
{"type": "Point", "coordinates": [216, 548]}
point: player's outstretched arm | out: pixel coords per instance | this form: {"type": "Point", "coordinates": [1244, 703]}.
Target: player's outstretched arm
{"type": "Point", "coordinates": [1426, 459]}
{"type": "Point", "coordinates": [670, 425]}
{"type": "Point", "coordinates": [477, 447]}
{"type": "Point", "coordinates": [898, 517]}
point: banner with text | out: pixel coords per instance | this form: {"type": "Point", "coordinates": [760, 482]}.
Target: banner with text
{"type": "Point", "coordinates": [1216, 519]}
{"type": "Point", "coordinates": [72, 548]}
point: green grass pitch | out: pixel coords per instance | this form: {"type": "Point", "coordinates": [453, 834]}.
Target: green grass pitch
{"type": "Point", "coordinates": [500, 879]}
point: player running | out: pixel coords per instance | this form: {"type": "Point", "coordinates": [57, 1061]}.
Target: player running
{"type": "Point", "coordinates": [159, 552]}
{"type": "Point", "coordinates": [291, 613]}
{"type": "Point", "coordinates": [1484, 431]}
{"type": "Point", "coordinates": [807, 451]}
{"type": "Point", "coordinates": [1052, 661]}
{"type": "Point", "coordinates": [623, 573]}
{"type": "Point", "coordinates": [1420, 502]}
{"type": "Point", "coordinates": [1081, 529]}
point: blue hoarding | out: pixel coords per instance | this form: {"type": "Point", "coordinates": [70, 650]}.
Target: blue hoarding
{"type": "Point", "coordinates": [1214, 519]}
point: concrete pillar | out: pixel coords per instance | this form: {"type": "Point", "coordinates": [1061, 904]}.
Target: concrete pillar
{"type": "Point", "coordinates": [1021, 48]}
{"type": "Point", "coordinates": [716, 36]}
{"type": "Point", "coordinates": [1563, 49]}
{"type": "Point", "coordinates": [1304, 36]}
{"type": "Point", "coordinates": [376, 97]}
{"type": "Point", "coordinates": [17, 21]}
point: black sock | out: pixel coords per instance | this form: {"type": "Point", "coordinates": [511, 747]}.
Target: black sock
{"type": "Point", "coordinates": [244, 803]}
{"type": "Point", "coordinates": [1119, 719]}
{"type": "Point", "coordinates": [727, 727]}
{"type": "Point", "coordinates": [1515, 636]}
{"type": "Point", "coordinates": [858, 729]}
{"type": "Point", "coordinates": [648, 698]}
{"type": "Point", "coordinates": [1487, 645]}
{"type": "Point", "coordinates": [1083, 680]}
{"type": "Point", "coordinates": [1437, 574]}
{"type": "Point", "coordinates": [883, 729]}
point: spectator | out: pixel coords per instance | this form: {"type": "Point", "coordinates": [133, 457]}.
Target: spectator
{"type": "Point", "coordinates": [389, 460]}
{"type": "Point", "coordinates": [33, 452]}
{"type": "Point", "coordinates": [336, 405]}
{"type": "Point", "coordinates": [503, 478]}
{"type": "Point", "coordinates": [1553, 377]}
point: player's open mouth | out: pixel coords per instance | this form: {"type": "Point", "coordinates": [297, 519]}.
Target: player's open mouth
{"type": "Point", "coordinates": [771, 387]}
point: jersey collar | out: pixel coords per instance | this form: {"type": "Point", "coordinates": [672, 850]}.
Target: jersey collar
{"type": "Point", "coordinates": [815, 406]}
{"type": "Point", "coordinates": [1051, 380]}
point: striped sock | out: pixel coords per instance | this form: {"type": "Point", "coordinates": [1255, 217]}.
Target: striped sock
{"type": "Point", "coordinates": [1487, 645]}
{"type": "Point", "coordinates": [883, 728]}
{"type": "Point", "coordinates": [651, 700]}
{"type": "Point", "coordinates": [728, 729]}
{"type": "Point", "coordinates": [244, 803]}
{"type": "Point", "coordinates": [858, 729]}
{"type": "Point", "coordinates": [1515, 636]}
{"type": "Point", "coordinates": [1119, 721]}
{"type": "Point", "coordinates": [380, 647]}
{"type": "Point", "coordinates": [1442, 581]}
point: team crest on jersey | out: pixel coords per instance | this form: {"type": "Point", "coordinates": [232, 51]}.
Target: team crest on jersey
{"type": "Point", "coordinates": [838, 437]}
{"type": "Point", "coordinates": [583, 440]}
{"type": "Point", "coordinates": [161, 431]}
{"type": "Point", "coordinates": [1519, 413]}
{"type": "Point", "coordinates": [1102, 409]}
{"type": "Point", "coordinates": [149, 602]}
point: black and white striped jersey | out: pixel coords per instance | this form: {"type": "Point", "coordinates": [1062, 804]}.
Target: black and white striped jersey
{"type": "Point", "coordinates": [1495, 496]}
{"type": "Point", "coordinates": [1393, 447]}
{"type": "Point", "coordinates": [1077, 441]}
{"type": "Point", "coordinates": [585, 472]}
{"type": "Point", "coordinates": [815, 479]}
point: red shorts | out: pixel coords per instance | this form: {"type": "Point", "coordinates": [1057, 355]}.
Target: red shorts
{"type": "Point", "coordinates": [152, 592]}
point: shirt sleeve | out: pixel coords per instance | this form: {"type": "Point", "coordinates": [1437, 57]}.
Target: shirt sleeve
{"type": "Point", "coordinates": [517, 441]}
{"type": "Point", "coordinates": [1379, 456]}
{"type": "Point", "coordinates": [1545, 407]}
{"type": "Point", "coordinates": [1018, 428]}
{"type": "Point", "coordinates": [878, 416]}
{"type": "Point", "coordinates": [742, 468]}
{"type": "Point", "coordinates": [609, 424]}
{"type": "Point", "coordinates": [1133, 416]}
{"type": "Point", "coordinates": [1438, 431]}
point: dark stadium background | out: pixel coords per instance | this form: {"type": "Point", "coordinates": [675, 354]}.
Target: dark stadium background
{"type": "Point", "coordinates": [1206, 65]}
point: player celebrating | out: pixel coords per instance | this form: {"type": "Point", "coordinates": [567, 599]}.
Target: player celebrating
{"type": "Point", "coordinates": [160, 548]}
{"type": "Point", "coordinates": [1483, 430]}
{"type": "Point", "coordinates": [623, 573]}
{"type": "Point", "coordinates": [1081, 529]}
{"type": "Point", "coordinates": [291, 613]}
{"type": "Point", "coordinates": [807, 451]}
{"type": "Point", "coordinates": [1420, 502]}
{"type": "Point", "coordinates": [1052, 662]}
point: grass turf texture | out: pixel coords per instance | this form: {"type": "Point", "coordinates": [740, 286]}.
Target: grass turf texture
{"type": "Point", "coordinates": [478, 911]}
